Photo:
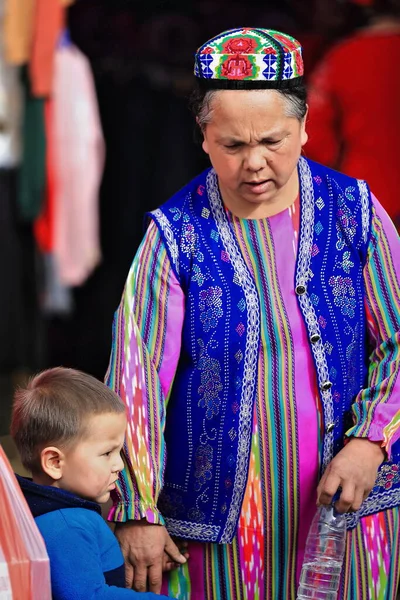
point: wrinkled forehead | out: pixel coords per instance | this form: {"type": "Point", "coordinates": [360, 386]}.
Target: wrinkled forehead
{"type": "Point", "coordinates": [242, 103]}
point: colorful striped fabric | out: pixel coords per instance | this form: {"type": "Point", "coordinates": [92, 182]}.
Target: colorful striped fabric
{"type": "Point", "coordinates": [265, 558]}
{"type": "Point", "coordinates": [374, 411]}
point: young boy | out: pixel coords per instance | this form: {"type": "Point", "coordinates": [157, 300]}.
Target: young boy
{"type": "Point", "coordinates": [69, 429]}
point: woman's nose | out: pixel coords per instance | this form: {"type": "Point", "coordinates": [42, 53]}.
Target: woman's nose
{"type": "Point", "coordinates": [255, 159]}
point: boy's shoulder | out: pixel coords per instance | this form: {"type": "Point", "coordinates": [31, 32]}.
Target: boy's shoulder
{"type": "Point", "coordinates": [73, 516]}
{"type": "Point", "coordinates": [81, 532]}
{"type": "Point", "coordinates": [75, 534]}
{"type": "Point", "coordinates": [74, 520]}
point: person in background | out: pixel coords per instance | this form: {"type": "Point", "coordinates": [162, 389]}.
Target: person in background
{"type": "Point", "coordinates": [354, 101]}
{"type": "Point", "coordinates": [69, 429]}
{"type": "Point", "coordinates": [257, 333]}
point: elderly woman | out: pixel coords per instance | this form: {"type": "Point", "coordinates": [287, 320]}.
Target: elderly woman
{"type": "Point", "coordinates": [257, 350]}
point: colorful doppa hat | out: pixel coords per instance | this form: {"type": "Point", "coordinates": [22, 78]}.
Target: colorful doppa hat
{"type": "Point", "coordinates": [248, 58]}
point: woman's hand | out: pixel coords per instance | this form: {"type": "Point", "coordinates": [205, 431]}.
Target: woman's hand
{"type": "Point", "coordinates": [144, 547]}
{"type": "Point", "coordinates": [168, 563]}
{"type": "Point", "coordinates": [354, 469]}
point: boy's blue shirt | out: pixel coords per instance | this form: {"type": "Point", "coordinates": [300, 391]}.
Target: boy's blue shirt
{"type": "Point", "coordinates": [85, 559]}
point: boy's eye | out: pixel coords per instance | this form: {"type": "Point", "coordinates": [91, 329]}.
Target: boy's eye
{"type": "Point", "coordinates": [107, 453]}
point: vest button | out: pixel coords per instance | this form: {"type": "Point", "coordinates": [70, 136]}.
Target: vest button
{"type": "Point", "coordinates": [301, 290]}
{"type": "Point", "coordinates": [330, 427]}
{"type": "Point", "coordinates": [326, 385]}
{"type": "Point", "coordinates": [314, 338]}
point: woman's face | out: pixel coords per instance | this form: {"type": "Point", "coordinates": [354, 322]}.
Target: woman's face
{"type": "Point", "coordinates": [254, 146]}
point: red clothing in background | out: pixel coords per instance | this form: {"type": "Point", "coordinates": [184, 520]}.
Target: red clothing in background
{"type": "Point", "coordinates": [354, 116]}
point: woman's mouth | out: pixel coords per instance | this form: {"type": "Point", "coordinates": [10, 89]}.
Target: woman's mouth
{"type": "Point", "coordinates": [258, 187]}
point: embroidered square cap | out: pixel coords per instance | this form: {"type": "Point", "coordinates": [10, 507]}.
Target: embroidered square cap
{"type": "Point", "coordinates": [249, 58]}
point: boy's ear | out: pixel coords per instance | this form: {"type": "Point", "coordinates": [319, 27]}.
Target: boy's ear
{"type": "Point", "coordinates": [52, 462]}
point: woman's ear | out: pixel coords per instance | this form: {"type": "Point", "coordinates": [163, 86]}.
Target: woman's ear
{"type": "Point", "coordinates": [303, 132]}
{"type": "Point", "coordinates": [204, 144]}
{"type": "Point", "coordinates": [200, 137]}
{"type": "Point", "coordinates": [52, 462]}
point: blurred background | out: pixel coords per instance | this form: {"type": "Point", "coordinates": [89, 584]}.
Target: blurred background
{"type": "Point", "coordinates": [95, 130]}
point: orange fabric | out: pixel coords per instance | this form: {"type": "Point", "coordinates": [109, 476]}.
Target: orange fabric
{"type": "Point", "coordinates": [48, 25]}
{"type": "Point", "coordinates": [18, 30]}
{"type": "Point", "coordinates": [44, 224]}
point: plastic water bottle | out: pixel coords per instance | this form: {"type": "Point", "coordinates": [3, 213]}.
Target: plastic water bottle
{"type": "Point", "coordinates": [323, 557]}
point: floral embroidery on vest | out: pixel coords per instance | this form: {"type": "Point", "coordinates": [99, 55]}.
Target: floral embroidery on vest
{"type": "Point", "coordinates": [346, 224]}
{"type": "Point", "coordinates": [190, 240]}
{"type": "Point", "coordinates": [211, 307]}
{"type": "Point", "coordinates": [344, 292]}
{"type": "Point", "coordinates": [211, 384]}
{"type": "Point", "coordinates": [388, 476]}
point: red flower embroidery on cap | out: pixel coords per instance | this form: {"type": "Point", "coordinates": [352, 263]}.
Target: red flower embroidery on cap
{"type": "Point", "coordinates": [240, 45]}
{"type": "Point", "coordinates": [237, 68]}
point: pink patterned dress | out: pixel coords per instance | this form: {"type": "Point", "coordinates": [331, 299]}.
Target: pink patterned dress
{"type": "Point", "coordinates": [265, 558]}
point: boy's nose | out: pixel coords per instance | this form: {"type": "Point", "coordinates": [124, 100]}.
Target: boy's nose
{"type": "Point", "coordinates": [119, 465]}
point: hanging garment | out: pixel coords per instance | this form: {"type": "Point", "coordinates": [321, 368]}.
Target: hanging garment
{"type": "Point", "coordinates": [32, 179]}
{"type": "Point", "coordinates": [18, 30]}
{"type": "Point", "coordinates": [48, 24]}
{"type": "Point", "coordinates": [78, 160]}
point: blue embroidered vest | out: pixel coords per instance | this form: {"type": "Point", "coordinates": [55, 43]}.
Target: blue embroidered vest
{"type": "Point", "coordinates": [209, 417]}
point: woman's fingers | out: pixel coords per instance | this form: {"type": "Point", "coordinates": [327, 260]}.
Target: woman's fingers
{"type": "Point", "coordinates": [128, 575]}
{"type": "Point", "coordinates": [140, 578]}
{"type": "Point", "coordinates": [359, 497]}
{"type": "Point", "coordinates": [354, 469]}
{"type": "Point", "coordinates": [154, 575]}
{"type": "Point", "coordinates": [328, 487]}
{"type": "Point", "coordinates": [346, 498]}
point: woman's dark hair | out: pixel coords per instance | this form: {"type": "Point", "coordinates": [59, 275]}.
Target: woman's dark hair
{"type": "Point", "coordinates": [200, 103]}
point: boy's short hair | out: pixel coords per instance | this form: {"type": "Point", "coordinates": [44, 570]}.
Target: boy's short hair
{"type": "Point", "coordinates": [53, 408]}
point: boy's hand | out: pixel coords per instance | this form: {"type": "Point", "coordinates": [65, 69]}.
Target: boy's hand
{"type": "Point", "coordinates": [143, 546]}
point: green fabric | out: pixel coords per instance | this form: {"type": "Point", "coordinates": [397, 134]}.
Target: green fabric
{"type": "Point", "coordinates": [32, 178]}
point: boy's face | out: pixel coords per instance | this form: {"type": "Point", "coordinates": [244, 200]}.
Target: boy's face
{"type": "Point", "coordinates": [90, 469]}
